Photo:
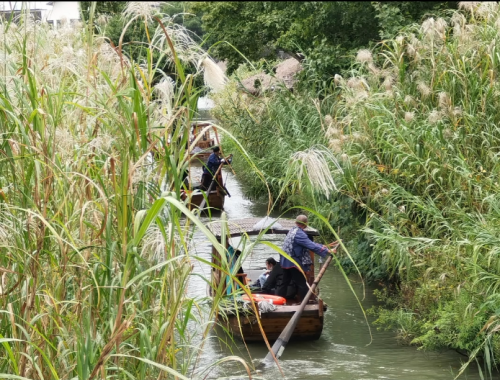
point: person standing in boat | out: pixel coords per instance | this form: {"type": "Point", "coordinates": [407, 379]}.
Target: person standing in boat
{"type": "Point", "coordinates": [209, 170]}
{"type": "Point", "coordinates": [297, 245]}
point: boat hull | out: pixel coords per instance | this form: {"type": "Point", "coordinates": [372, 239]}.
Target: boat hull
{"type": "Point", "coordinates": [215, 200]}
{"type": "Point", "coordinates": [309, 327]}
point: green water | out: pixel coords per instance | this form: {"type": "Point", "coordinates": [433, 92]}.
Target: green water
{"type": "Point", "coordinates": [345, 350]}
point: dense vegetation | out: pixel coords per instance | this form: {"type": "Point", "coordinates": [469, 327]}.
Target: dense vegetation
{"type": "Point", "coordinates": [324, 32]}
{"type": "Point", "coordinates": [413, 125]}
{"type": "Point", "coordinates": [94, 238]}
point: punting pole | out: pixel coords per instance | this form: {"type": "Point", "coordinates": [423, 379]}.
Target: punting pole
{"type": "Point", "coordinates": [286, 334]}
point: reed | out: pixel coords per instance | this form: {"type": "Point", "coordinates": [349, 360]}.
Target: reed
{"type": "Point", "coordinates": [94, 239]}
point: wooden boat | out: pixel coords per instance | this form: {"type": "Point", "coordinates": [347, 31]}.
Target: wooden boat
{"type": "Point", "coordinates": [214, 199]}
{"type": "Point", "coordinates": [203, 147]}
{"type": "Point", "coordinates": [245, 326]}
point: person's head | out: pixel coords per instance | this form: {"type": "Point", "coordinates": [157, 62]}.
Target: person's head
{"type": "Point", "coordinates": [301, 221]}
{"type": "Point", "coordinates": [270, 263]}
{"type": "Point", "coordinates": [216, 150]}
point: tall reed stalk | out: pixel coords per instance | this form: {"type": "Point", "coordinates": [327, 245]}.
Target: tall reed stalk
{"type": "Point", "coordinates": [94, 239]}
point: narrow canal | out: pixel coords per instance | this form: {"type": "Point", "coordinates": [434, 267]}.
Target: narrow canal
{"type": "Point", "coordinates": [344, 351]}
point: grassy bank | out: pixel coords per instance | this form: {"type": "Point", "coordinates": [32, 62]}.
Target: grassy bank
{"type": "Point", "coordinates": [414, 126]}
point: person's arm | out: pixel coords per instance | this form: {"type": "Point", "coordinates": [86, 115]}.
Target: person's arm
{"type": "Point", "coordinates": [303, 240]}
{"type": "Point", "coordinates": [228, 160]}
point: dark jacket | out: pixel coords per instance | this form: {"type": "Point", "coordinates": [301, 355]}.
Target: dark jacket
{"type": "Point", "coordinates": [273, 280]}
{"type": "Point", "coordinates": [214, 161]}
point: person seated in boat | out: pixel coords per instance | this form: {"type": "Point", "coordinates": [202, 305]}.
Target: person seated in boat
{"type": "Point", "coordinates": [270, 264]}
{"type": "Point", "coordinates": [213, 164]}
{"type": "Point", "coordinates": [271, 279]}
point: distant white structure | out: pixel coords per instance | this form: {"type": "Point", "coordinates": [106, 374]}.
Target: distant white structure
{"type": "Point", "coordinates": [53, 12]}
{"type": "Point", "coordinates": [63, 10]}
{"type": "Point", "coordinates": [205, 103]}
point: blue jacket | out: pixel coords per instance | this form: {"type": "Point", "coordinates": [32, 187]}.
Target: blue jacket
{"type": "Point", "coordinates": [302, 243]}
{"type": "Point", "coordinates": [214, 161]}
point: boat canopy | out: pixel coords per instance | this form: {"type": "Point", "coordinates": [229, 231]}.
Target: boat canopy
{"type": "Point", "coordinates": [254, 226]}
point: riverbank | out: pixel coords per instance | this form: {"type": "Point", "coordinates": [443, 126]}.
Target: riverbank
{"type": "Point", "coordinates": [414, 127]}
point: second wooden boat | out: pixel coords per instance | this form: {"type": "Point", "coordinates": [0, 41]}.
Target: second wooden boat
{"type": "Point", "coordinates": [243, 323]}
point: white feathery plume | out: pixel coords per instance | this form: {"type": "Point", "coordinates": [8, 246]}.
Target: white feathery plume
{"type": "Point", "coordinates": [358, 83]}
{"type": "Point", "coordinates": [458, 19]}
{"type": "Point", "coordinates": [153, 244]}
{"type": "Point", "coordinates": [102, 20]}
{"type": "Point", "coordinates": [65, 141]}
{"type": "Point", "coordinates": [423, 89]}
{"type": "Point", "coordinates": [468, 6]}
{"type": "Point", "coordinates": [434, 28]}
{"type": "Point", "coordinates": [364, 55]}
{"type": "Point", "coordinates": [487, 8]}
{"type": "Point", "coordinates": [447, 133]}
{"type": "Point", "coordinates": [410, 50]}
{"type": "Point", "coordinates": [165, 88]}
{"type": "Point", "coordinates": [332, 131]}
{"type": "Point", "coordinates": [144, 9]}
{"type": "Point", "coordinates": [361, 95]}
{"type": "Point", "coordinates": [356, 136]}
{"type": "Point", "coordinates": [335, 145]}
{"type": "Point", "coordinates": [313, 162]}
{"type": "Point", "coordinates": [434, 117]}
{"type": "Point", "coordinates": [428, 26]}
{"type": "Point", "coordinates": [166, 91]}
{"type": "Point", "coordinates": [328, 120]}
{"type": "Point", "coordinates": [388, 82]}
{"type": "Point", "coordinates": [101, 143]}
{"type": "Point", "coordinates": [444, 100]}
{"type": "Point", "coordinates": [185, 47]}
{"type": "Point", "coordinates": [213, 75]}
{"type": "Point", "coordinates": [409, 100]}
{"type": "Point", "coordinates": [409, 116]}
{"type": "Point", "coordinates": [440, 26]}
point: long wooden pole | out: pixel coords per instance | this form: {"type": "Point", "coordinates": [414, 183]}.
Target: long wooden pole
{"type": "Point", "coordinates": [281, 342]}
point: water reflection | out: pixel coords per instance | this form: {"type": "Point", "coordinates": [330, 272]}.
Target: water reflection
{"type": "Point", "coordinates": [344, 351]}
